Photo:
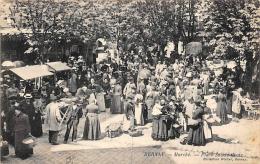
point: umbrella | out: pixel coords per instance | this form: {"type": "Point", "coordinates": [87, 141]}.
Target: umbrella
{"type": "Point", "coordinates": [8, 64]}
{"type": "Point", "coordinates": [102, 41]}
{"type": "Point", "coordinates": [194, 48]}
{"type": "Point", "coordinates": [19, 64]}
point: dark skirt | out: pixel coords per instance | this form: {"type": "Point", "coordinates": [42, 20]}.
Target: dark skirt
{"type": "Point", "coordinates": [92, 129]}
{"type": "Point", "coordinates": [150, 104]}
{"type": "Point", "coordinates": [196, 135]}
{"type": "Point", "coordinates": [221, 111]}
{"type": "Point", "coordinates": [172, 131]}
{"type": "Point", "coordinates": [101, 102]}
{"type": "Point", "coordinates": [229, 105]}
{"type": "Point", "coordinates": [159, 130]}
{"type": "Point", "coordinates": [116, 105]}
{"type": "Point", "coordinates": [22, 151]}
{"type": "Point", "coordinates": [36, 127]}
{"type": "Point", "coordinates": [107, 101]}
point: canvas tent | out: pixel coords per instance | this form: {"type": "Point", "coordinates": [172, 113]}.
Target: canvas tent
{"type": "Point", "coordinates": [58, 66]}
{"type": "Point", "coordinates": [32, 72]}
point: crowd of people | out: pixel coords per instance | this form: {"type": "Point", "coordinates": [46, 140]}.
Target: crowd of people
{"type": "Point", "coordinates": [177, 97]}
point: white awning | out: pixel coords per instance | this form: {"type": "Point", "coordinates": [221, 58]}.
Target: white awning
{"type": "Point", "coordinates": [58, 66]}
{"type": "Point", "coordinates": [32, 72]}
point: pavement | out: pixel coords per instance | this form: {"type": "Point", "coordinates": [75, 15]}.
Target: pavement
{"type": "Point", "coordinates": [235, 142]}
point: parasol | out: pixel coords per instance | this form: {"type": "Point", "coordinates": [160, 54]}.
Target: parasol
{"type": "Point", "coordinates": [194, 48]}
{"type": "Point", "coordinates": [8, 64]}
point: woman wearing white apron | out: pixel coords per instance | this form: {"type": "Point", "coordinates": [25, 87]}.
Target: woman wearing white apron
{"type": "Point", "coordinates": [236, 103]}
{"type": "Point", "coordinates": [139, 110]}
{"type": "Point", "coordinates": [207, 120]}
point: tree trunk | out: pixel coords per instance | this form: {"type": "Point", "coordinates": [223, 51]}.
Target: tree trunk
{"type": "Point", "coordinates": [248, 72]}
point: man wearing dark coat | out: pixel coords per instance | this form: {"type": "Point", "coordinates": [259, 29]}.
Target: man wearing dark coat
{"type": "Point", "coordinates": [74, 114]}
{"type": "Point", "coordinates": [22, 131]}
{"type": "Point", "coordinates": [28, 109]}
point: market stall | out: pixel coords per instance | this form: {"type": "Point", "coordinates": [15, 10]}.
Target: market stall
{"type": "Point", "coordinates": [58, 66]}
{"type": "Point", "coordinates": [35, 72]}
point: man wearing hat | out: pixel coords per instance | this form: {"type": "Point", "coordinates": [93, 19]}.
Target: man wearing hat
{"type": "Point", "coordinates": [53, 119]}
{"type": "Point", "coordinates": [74, 113]}
{"type": "Point", "coordinates": [28, 108]}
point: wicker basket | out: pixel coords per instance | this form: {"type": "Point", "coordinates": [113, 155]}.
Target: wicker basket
{"type": "Point", "coordinates": [114, 130]}
{"type": "Point", "coordinates": [30, 141]}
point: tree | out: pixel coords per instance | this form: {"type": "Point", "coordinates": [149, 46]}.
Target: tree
{"type": "Point", "coordinates": [232, 30]}
{"type": "Point", "coordinates": [47, 22]}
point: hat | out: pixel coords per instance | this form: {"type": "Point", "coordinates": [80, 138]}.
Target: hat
{"type": "Point", "coordinates": [6, 76]}
{"type": "Point", "coordinates": [75, 99]}
{"type": "Point", "coordinates": [66, 90]}
{"type": "Point", "coordinates": [28, 96]}
{"type": "Point", "coordinates": [189, 74]}
{"type": "Point", "coordinates": [171, 103]}
{"type": "Point", "coordinates": [16, 104]}
{"type": "Point", "coordinates": [60, 82]}
{"type": "Point", "coordinates": [74, 68]}
{"type": "Point", "coordinates": [84, 88]}
{"type": "Point", "coordinates": [133, 86]}
{"type": "Point", "coordinates": [173, 98]}
{"type": "Point", "coordinates": [239, 89]}
{"type": "Point", "coordinates": [162, 102]}
{"type": "Point", "coordinates": [138, 97]}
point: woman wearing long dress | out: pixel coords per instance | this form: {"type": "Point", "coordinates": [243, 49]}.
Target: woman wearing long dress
{"type": "Point", "coordinates": [236, 104]}
{"type": "Point", "coordinates": [221, 110]}
{"type": "Point", "coordinates": [172, 125]}
{"type": "Point", "coordinates": [140, 110]}
{"type": "Point", "coordinates": [149, 100]}
{"type": "Point", "coordinates": [156, 119]}
{"type": "Point", "coordinates": [37, 122]}
{"type": "Point", "coordinates": [22, 130]}
{"type": "Point", "coordinates": [92, 129]}
{"type": "Point", "coordinates": [196, 135]}
{"type": "Point", "coordinates": [159, 130]}
{"type": "Point", "coordinates": [207, 121]}
{"type": "Point", "coordinates": [106, 87]}
{"type": "Point", "coordinates": [116, 106]}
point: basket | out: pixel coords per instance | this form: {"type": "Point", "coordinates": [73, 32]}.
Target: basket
{"type": "Point", "coordinates": [114, 130]}
{"type": "Point", "coordinates": [136, 133]}
{"type": "Point", "coordinates": [4, 148]}
{"type": "Point", "coordinates": [30, 141]}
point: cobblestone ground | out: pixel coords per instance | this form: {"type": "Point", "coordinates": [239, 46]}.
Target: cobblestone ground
{"type": "Point", "coordinates": [101, 156]}
{"type": "Point", "coordinates": [239, 138]}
